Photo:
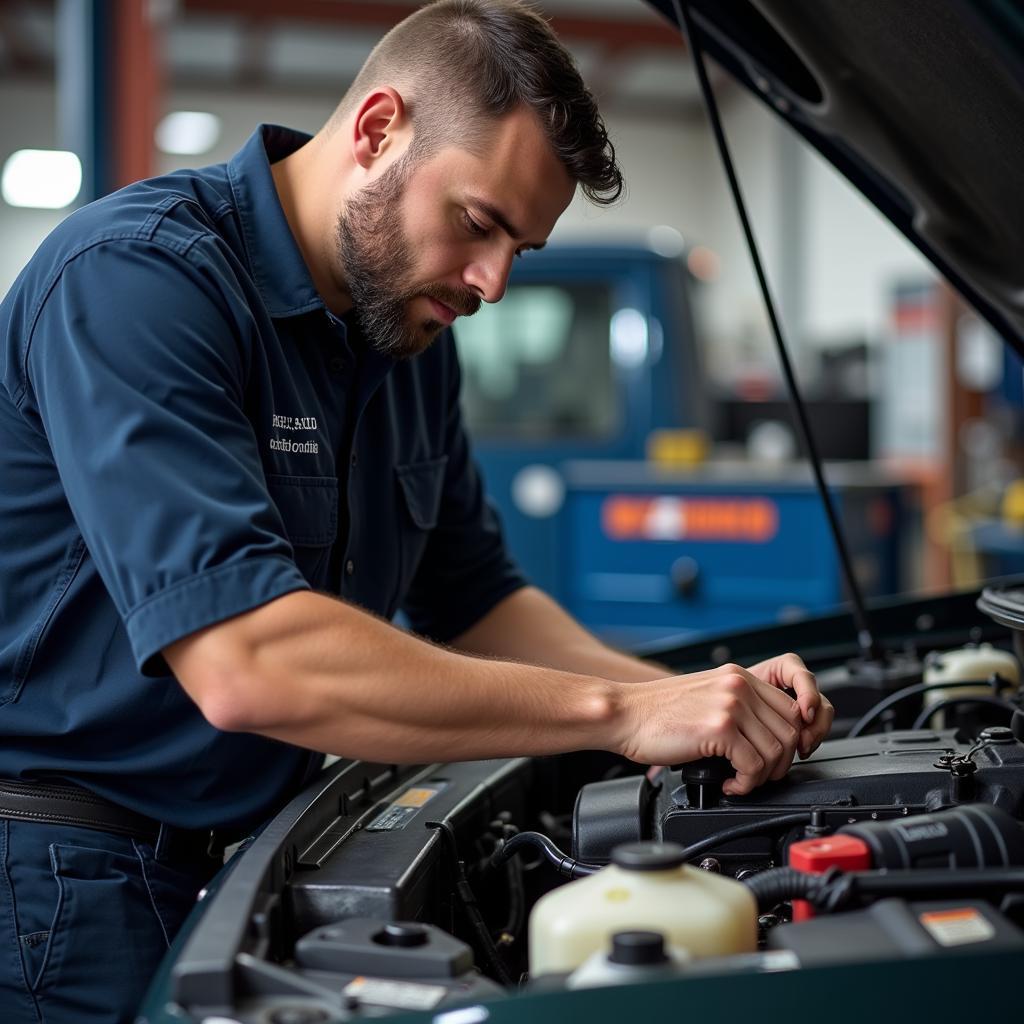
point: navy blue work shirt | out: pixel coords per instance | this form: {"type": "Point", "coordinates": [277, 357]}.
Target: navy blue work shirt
{"type": "Point", "coordinates": [186, 433]}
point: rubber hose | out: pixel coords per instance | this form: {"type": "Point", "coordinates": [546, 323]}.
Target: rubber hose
{"type": "Point", "coordinates": [561, 862]}
{"type": "Point", "coordinates": [779, 885]}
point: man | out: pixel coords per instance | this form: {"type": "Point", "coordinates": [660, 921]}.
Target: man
{"type": "Point", "coordinates": [229, 398]}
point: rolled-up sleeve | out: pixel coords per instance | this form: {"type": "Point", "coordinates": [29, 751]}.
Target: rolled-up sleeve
{"type": "Point", "coordinates": [466, 568]}
{"type": "Point", "coordinates": [135, 369]}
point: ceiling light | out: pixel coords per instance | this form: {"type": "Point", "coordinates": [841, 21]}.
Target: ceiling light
{"type": "Point", "coordinates": [44, 178]}
{"type": "Point", "coordinates": [188, 132]}
{"type": "Point", "coordinates": [666, 240]}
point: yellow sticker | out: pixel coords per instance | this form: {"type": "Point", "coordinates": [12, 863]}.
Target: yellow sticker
{"type": "Point", "coordinates": [415, 797]}
{"type": "Point", "coordinates": [404, 808]}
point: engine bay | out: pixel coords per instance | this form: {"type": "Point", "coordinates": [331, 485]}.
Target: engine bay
{"type": "Point", "coordinates": [384, 889]}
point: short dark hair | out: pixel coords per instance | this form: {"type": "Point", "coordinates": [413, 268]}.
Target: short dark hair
{"type": "Point", "coordinates": [488, 58]}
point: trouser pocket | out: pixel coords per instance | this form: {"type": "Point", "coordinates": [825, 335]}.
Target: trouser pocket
{"type": "Point", "coordinates": [92, 923]}
{"type": "Point", "coordinates": [33, 954]}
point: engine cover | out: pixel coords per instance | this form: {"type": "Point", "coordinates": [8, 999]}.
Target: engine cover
{"type": "Point", "coordinates": [845, 781]}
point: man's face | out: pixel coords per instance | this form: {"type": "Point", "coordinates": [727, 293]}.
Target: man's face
{"type": "Point", "coordinates": [428, 241]}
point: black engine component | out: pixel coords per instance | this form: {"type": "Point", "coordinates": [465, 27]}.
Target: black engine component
{"type": "Point", "coordinates": [613, 812]}
{"type": "Point", "coordinates": [893, 929]}
{"type": "Point", "coordinates": [703, 780]}
{"type": "Point", "coordinates": [838, 890]}
{"type": "Point", "coordinates": [866, 779]}
{"type": "Point", "coordinates": [974, 836]}
{"type": "Point", "coordinates": [400, 949]}
{"type": "Point", "coordinates": [351, 865]}
{"type": "Point", "coordinates": [977, 850]}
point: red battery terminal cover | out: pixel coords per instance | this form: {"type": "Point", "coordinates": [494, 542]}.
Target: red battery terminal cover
{"type": "Point", "coordinates": [816, 856]}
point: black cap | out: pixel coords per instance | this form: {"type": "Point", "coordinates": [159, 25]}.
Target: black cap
{"type": "Point", "coordinates": [648, 856]}
{"type": "Point", "coordinates": [638, 949]}
{"type": "Point", "coordinates": [402, 935]}
{"type": "Point", "coordinates": [707, 769]}
{"type": "Point", "coordinates": [997, 734]}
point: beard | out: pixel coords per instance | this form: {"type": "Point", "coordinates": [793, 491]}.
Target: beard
{"type": "Point", "coordinates": [377, 261]}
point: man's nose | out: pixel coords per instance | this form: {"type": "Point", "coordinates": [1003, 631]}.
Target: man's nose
{"type": "Point", "coordinates": [488, 275]}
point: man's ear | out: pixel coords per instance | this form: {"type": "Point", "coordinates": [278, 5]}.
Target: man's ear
{"type": "Point", "coordinates": [379, 126]}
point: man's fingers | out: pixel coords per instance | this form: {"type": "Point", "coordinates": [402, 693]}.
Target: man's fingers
{"type": "Point", "coordinates": [780, 702]}
{"type": "Point", "coordinates": [808, 696]}
{"type": "Point", "coordinates": [744, 714]}
{"type": "Point", "coordinates": [801, 680]}
{"type": "Point", "coordinates": [812, 735]}
{"type": "Point", "coordinates": [772, 737]}
{"type": "Point", "coordinates": [786, 735]}
{"type": "Point", "coordinates": [751, 705]}
{"type": "Point", "coordinates": [748, 764]}
{"type": "Point", "coordinates": [808, 744]}
{"type": "Point", "coordinates": [788, 671]}
{"type": "Point", "coordinates": [783, 716]}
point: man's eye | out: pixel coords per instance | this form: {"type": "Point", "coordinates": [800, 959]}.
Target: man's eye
{"type": "Point", "coordinates": [472, 226]}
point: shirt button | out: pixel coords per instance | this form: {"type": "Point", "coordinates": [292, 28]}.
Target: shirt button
{"type": "Point", "coordinates": [350, 567]}
{"type": "Point", "coordinates": [336, 364]}
{"type": "Point", "coordinates": [354, 460]}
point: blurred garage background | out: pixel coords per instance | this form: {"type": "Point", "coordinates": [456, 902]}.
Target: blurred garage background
{"type": "Point", "coordinates": [626, 398]}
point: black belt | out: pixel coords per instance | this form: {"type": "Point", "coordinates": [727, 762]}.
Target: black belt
{"type": "Point", "coordinates": [68, 804]}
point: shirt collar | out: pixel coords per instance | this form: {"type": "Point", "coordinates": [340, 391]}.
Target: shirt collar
{"type": "Point", "coordinates": [276, 262]}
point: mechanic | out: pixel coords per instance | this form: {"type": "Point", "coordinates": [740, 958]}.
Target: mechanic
{"type": "Point", "coordinates": [230, 398]}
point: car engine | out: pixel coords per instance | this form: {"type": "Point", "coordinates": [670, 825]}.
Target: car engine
{"type": "Point", "coordinates": [384, 889]}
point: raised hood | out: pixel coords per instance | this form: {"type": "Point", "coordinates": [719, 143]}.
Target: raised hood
{"type": "Point", "coordinates": [919, 103]}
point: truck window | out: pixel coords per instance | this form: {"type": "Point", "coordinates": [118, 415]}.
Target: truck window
{"type": "Point", "coordinates": [537, 364]}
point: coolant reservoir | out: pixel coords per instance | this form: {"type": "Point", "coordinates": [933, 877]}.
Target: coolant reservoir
{"type": "Point", "coordinates": [967, 664]}
{"type": "Point", "coordinates": [648, 886]}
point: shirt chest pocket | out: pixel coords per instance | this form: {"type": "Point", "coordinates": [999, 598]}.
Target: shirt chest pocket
{"type": "Point", "coordinates": [309, 510]}
{"type": "Point", "coordinates": [421, 485]}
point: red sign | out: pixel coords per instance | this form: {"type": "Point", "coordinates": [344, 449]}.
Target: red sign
{"type": "Point", "coordinates": [743, 520]}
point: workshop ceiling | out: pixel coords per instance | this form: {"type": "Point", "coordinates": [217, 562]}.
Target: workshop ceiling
{"type": "Point", "coordinates": [629, 55]}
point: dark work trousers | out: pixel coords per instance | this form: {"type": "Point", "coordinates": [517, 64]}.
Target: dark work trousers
{"type": "Point", "coordinates": [85, 919]}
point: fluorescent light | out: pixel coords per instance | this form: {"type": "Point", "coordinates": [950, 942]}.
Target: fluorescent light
{"type": "Point", "coordinates": [49, 179]}
{"type": "Point", "coordinates": [188, 132]}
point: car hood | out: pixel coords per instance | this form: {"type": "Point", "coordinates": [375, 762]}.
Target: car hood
{"type": "Point", "coordinates": [919, 104]}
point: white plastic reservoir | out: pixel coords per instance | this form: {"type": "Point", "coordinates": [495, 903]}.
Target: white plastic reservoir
{"type": "Point", "coordinates": [648, 886]}
{"type": "Point", "coordinates": [973, 664]}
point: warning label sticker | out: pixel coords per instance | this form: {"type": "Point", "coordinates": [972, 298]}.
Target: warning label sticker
{"type": "Point", "coordinates": [404, 808]}
{"type": "Point", "coordinates": [400, 995]}
{"type": "Point", "coordinates": [957, 927]}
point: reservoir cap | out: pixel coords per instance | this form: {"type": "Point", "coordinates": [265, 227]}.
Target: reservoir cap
{"type": "Point", "coordinates": [406, 935]}
{"type": "Point", "coordinates": [638, 949]}
{"type": "Point", "coordinates": [648, 856]}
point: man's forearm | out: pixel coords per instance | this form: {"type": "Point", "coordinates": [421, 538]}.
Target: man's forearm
{"type": "Point", "coordinates": [318, 673]}
{"type": "Point", "coordinates": [314, 672]}
{"type": "Point", "coordinates": [529, 626]}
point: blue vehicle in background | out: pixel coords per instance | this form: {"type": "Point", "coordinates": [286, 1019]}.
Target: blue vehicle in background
{"type": "Point", "coordinates": [575, 387]}
{"type": "Point", "coordinates": [591, 351]}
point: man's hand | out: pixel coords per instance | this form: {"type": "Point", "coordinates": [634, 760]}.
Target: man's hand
{"type": "Point", "coordinates": [529, 626]}
{"type": "Point", "coordinates": [742, 714]}
{"type": "Point", "coordinates": [788, 672]}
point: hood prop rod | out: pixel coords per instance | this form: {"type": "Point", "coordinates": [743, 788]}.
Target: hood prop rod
{"type": "Point", "coordinates": [870, 649]}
